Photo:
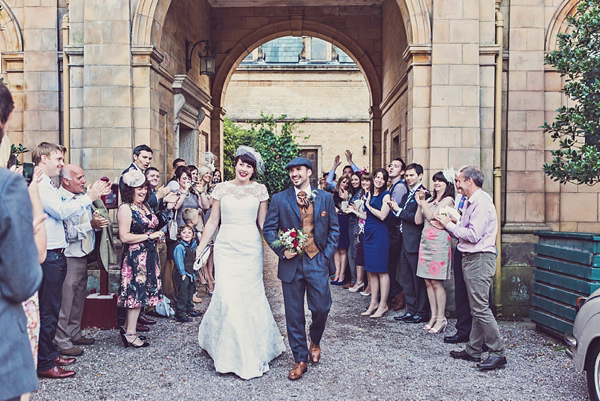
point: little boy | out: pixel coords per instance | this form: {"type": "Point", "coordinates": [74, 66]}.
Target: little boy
{"type": "Point", "coordinates": [184, 275]}
{"type": "Point", "coordinates": [192, 218]}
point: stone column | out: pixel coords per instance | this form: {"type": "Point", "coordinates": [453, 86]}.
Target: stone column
{"type": "Point", "coordinates": [418, 104]}
{"type": "Point", "coordinates": [455, 112]}
{"type": "Point", "coordinates": [377, 159]}
{"type": "Point", "coordinates": [216, 134]}
{"type": "Point", "coordinates": [107, 94]}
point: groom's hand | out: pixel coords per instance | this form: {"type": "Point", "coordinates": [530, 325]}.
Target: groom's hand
{"type": "Point", "coordinates": [289, 255]}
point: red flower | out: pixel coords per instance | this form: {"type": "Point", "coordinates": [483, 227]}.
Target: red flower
{"type": "Point", "coordinates": [293, 234]}
{"type": "Point", "coordinates": [295, 243]}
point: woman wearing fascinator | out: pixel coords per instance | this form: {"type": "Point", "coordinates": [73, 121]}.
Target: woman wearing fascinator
{"type": "Point", "coordinates": [435, 251]}
{"type": "Point", "coordinates": [238, 329]}
{"type": "Point", "coordinates": [140, 285]}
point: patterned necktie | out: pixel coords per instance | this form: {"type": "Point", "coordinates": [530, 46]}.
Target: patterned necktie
{"type": "Point", "coordinates": [461, 204]}
{"type": "Point", "coordinates": [302, 200]}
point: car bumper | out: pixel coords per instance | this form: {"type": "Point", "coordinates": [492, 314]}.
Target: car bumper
{"type": "Point", "coordinates": [571, 342]}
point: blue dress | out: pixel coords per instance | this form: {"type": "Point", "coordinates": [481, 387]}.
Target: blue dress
{"type": "Point", "coordinates": [377, 240]}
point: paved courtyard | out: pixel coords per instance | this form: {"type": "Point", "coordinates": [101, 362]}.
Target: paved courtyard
{"type": "Point", "coordinates": [362, 359]}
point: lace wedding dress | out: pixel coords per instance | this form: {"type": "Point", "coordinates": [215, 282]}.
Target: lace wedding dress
{"type": "Point", "coordinates": [238, 329]}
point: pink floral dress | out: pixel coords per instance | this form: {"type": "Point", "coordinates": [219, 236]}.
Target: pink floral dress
{"type": "Point", "coordinates": [435, 252]}
{"type": "Point", "coordinates": [140, 284]}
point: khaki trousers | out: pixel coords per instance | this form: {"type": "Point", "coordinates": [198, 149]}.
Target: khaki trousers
{"type": "Point", "coordinates": [478, 271]}
{"type": "Point", "coordinates": [71, 308]}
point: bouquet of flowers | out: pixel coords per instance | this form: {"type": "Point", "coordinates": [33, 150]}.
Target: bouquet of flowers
{"type": "Point", "coordinates": [293, 240]}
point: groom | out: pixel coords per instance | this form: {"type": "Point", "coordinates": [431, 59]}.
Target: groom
{"type": "Point", "coordinates": [308, 272]}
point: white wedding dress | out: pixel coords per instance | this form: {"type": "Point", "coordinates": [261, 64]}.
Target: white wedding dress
{"type": "Point", "coordinates": [238, 329]}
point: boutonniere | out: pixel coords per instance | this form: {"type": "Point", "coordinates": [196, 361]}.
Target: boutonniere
{"type": "Point", "coordinates": [63, 198]}
{"type": "Point", "coordinates": [312, 196]}
{"type": "Point", "coordinates": [133, 207]}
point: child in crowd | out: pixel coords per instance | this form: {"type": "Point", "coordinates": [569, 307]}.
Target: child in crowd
{"type": "Point", "coordinates": [192, 218]}
{"type": "Point", "coordinates": [184, 275]}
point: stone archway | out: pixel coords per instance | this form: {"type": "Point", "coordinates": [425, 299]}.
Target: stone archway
{"type": "Point", "coordinates": [558, 23]}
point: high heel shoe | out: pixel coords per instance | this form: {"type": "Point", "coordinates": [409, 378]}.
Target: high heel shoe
{"type": "Point", "coordinates": [430, 325]}
{"type": "Point", "coordinates": [135, 338]}
{"type": "Point", "coordinates": [357, 287]}
{"type": "Point", "coordinates": [369, 311]}
{"type": "Point", "coordinates": [123, 332]}
{"type": "Point", "coordinates": [440, 329]}
{"type": "Point", "coordinates": [378, 315]}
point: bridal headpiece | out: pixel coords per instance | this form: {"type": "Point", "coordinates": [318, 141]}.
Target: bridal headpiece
{"type": "Point", "coordinates": [134, 178]}
{"type": "Point", "coordinates": [249, 151]}
{"type": "Point", "coordinates": [208, 163]}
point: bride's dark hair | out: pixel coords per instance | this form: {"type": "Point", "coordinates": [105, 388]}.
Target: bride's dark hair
{"type": "Point", "coordinates": [246, 159]}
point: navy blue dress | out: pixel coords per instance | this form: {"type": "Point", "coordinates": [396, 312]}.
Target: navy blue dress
{"type": "Point", "coordinates": [377, 240]}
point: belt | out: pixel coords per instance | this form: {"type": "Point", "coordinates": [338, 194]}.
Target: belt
{"type": "Point", "coordinates": [57, 250]}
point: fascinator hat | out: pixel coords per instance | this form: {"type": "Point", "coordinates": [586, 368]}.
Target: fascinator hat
{"type": "Point", "coordinates": [449, 174]}
{"type": "Point", "coordinates": [252, 153]}
{"type": "Point", "coordinates": [134, 178]}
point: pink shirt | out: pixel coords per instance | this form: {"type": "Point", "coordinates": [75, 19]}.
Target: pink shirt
{"type": "Point", "coordinates": [476, 231]}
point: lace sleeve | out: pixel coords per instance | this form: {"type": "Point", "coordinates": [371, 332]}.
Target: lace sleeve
{"type": "Point", "coordinates": [263, 193]}
{"type": "Point", "coordinates": [217, 191]}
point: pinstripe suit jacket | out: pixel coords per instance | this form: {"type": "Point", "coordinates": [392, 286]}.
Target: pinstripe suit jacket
{"type": "Point", "coordinates": [284, 214]}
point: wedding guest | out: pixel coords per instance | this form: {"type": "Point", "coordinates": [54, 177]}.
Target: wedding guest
{"type": "Point", "coordinates": [190, 197]}
{"type": "Point", "coordinates": [142, 157]}
{"type": "Point", "coordinates": [355, 194]}
{"type": "Point", "coordinates": [194, 178]}
{"type": "Point", "coordinates": [217, 177]}
{"type": "Point", "coordinates": [461, 297]}
{"type": "Point", "coordinates": [81, 240]}
{"type": "Point", "coordinates": [139, 285]}
{"type": "Point", "coordinates": [435, 251]}
{"type": "Point", "coordinates": [358, 210]}
{"type": "Point", "coordinates": [340, 196]}
{"type": "Point", "coordinates": [179, 162]}
{"type": "Point", "coordinates": [184, 275]}
{"type": "Point", "coordinates": [20, 272]}
{"type": "Point", "coordinates": [476, 233]}
{"type": "Point", "coordinates": [347, 170]}
{"type": "Point", "coordinates": [205, 175]}
{"type": "Point", "coordinates": [415, 293]}
{"type": "Point", "coordinates": [50, 158]}
{"type": "Point", "coordinates": [398, 189]}
{"type": "Point", "coordinates": [377, 244]}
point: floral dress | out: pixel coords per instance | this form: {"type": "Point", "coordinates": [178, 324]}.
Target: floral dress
{"type": "Point", "coordinates": [140, 284]}
{"type": "Point", "coordinates": [435, 251]}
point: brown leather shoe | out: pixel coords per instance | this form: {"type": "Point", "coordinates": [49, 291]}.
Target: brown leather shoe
{"type": "Point", "coordinates": [398, 302]}
{"type": "Point", "coordinates": [56, 373]}
{"type": "Point", "coordinates": [84, 341]}
{"type": "Point", "coordinates": [73, 351]}
{"type": "Point", "coordinates": [315, 352]}
{"type": "Point", "coordinates": [141, 327]}
{"type": "Point", "coordinates": [348, 285]}
{"type": "Point", "coordinates": [298, 370]}
{"type": "Point", "coordinates": [60, 361]}
{"type": "Point", "coordinates": [145, 320]}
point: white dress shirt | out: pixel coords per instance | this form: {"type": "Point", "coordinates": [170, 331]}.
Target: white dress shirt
{"type": "Point", "coordinates": [57, 211]}
{"type": "Point", "coordinates": [305, 189]}
{"type": "Point", "coordinates": [76, 230]}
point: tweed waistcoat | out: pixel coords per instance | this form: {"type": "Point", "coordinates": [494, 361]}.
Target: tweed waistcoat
{"type": "Point", "coordinates": [308, 228]}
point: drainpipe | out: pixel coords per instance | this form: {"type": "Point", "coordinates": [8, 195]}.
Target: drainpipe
{"type": "Point", "coordinates": [66, 90]}
{"type": "Point", "coordinates": [498, 157]}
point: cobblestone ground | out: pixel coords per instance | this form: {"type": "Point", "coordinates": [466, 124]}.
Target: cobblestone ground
{"type": "Point", "coordinates": [362, 359]}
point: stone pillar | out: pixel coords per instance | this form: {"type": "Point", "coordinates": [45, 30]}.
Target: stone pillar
{"type": "Point", "coordinates": [455, 86]}
{"type": "Point", "coordinates": [216, 134]}
{"type": "Point", "coordinates": [377, 156]}
{"type": "Point", "coordinates": [41, 115]}
{"type": "Point", "coordinates": [525, 181]}
{"type": "Point", "coordinates": [107, 94]}
{"type": "Point", "coordinates": [418, 104]}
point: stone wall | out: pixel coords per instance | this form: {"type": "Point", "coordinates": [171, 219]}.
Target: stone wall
{"type": "Point", "coordinates": [333, 99]}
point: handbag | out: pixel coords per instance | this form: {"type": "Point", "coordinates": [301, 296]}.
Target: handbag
{"type": "Point", "coordinates": [163, 308]}
{"type": "Point", "coordinates": [172, 227]}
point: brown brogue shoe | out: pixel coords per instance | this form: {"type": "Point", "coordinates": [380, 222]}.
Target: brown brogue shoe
{"type": "Point", "coordinates": [298, 370]}
{"type": "Point", "coordinates": [145, 320]}
{"type": "Point", "coordinates": [56, 373]}
{"type": "Point", "coordinates": [60, 361]}
{"type": "Point", "coordinates": [314, 352]}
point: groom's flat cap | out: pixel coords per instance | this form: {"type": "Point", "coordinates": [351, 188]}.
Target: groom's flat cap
{"type": "Point", "coordinates": [299, 161]}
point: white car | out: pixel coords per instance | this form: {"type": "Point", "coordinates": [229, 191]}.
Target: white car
{"type": "Point", "coordinates": [584, 341]}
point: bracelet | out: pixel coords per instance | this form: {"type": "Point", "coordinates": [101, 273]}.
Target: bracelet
{"type": "Point", "coordinates": [148, 239]}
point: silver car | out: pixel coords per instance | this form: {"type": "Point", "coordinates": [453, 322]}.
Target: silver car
{"type": "Point", "coordinates": [584, 341]}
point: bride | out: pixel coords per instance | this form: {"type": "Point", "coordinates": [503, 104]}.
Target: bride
{"type": "Point", "coordinates": [238, 330]}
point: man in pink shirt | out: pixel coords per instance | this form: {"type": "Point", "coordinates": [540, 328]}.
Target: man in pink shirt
{"type": "Point", "coordinates": [476, 234]}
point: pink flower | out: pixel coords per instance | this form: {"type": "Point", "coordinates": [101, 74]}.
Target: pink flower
{"type": "Point", "coordinates": [435, 268]}
{"type": "Point", "coordinates": [431, 233]}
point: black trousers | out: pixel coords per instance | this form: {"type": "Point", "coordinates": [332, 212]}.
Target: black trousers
{"type": "Point", "coordinates": [185, 294]}
{"type": "Point", "coordinates": [415, 291]}
{"type": "Point", "coordinates": [394, 263]}
{"type": "Point", "coordinates": [50, 294]}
